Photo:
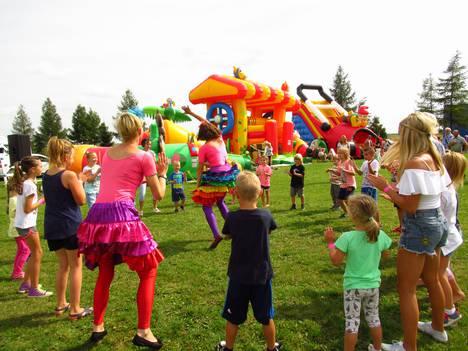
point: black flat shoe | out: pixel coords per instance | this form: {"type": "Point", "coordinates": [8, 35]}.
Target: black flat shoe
{"type": "Point", "coordinates": [97, 336]}
{"type": "Point", "coordinates": [139, 341]}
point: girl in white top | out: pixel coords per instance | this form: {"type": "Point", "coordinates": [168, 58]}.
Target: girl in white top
{"type": "Point", "coordinates": [24, 180]}
{"type": "Point", "coordinates": [422, 179]}
{"type": "Point", "coordinates": [455, 163]}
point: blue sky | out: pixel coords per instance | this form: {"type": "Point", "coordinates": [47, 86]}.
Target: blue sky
{"type": "Point", "coordinates": [90, 52]}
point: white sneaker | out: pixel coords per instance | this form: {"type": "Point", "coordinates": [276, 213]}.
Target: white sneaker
{"type": "Point", "coordinates": [394, 346]}
{"type": "Point", "coordinates": [426, 328]}
{"type": "Point", "coordinates": [156, 210]}
{"type": "Point", "coordinates": [372, 348]}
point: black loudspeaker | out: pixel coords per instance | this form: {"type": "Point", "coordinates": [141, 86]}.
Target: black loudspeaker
{"type": "Point", "coordinates": [19, 146]}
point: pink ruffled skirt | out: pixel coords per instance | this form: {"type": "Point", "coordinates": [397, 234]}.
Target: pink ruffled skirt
{"type": "Point", "coordinates": [115, 228]}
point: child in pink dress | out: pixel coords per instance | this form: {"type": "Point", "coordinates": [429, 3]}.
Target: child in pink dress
{"type": "Point", "coordinates": [348, 180]}
{"type": "Point", "coordinates": [113, 232]}
{"type": "Point", "coordinates": [264, 174]}
{"type": "Point", "coordinates": [213, 184]}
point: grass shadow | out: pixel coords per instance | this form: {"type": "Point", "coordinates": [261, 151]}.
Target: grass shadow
{"type": "Point", "coordinates": [175, 247]}
{"type": "Point", "coordinates": [33, 320]}
{"type": "Point", "coordinates": [87, 345]}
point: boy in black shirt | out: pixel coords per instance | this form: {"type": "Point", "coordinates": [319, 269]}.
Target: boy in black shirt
{"type": "Point", "coordinates": [297, 172]}
{"type": "Point", "coordinates": [249, 269]}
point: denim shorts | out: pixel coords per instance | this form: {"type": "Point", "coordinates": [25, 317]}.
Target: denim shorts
{"type": "Point", "coordinates": [372, 192]}
{"type": "Point", "coordinates": [25, 232]}
{"type": "Point", "coordinates": [424, 231]}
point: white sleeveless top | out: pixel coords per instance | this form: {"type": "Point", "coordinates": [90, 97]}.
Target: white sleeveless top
{"type": "Point", "coordinates": [449, 209]}
{"type": "Point", "coordinates": [429, 184]}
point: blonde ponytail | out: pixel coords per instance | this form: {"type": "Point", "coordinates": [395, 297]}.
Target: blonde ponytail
{"type": "Point", "coordinates": [363, 210]}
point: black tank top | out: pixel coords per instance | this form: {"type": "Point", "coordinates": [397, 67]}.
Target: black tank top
{"type": "Point", "coordinates": [62, 214]}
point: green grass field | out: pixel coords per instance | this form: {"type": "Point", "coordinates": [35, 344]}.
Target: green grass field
{"type": "Point", "coordinates": [192, 280]}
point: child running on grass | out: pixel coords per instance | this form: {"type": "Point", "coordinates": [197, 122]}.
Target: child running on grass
{"type": "Point", "coordinates": [64, 195]}
{"type": "Point", "coordinates": [348, 180]}
{"type": "Point", "coordinates": [264, 174]}
{"type": "Point", "coordinates": [24, 180]}
{"type": "Point", "coordinates": [22, 249]}
{"type": "Point", "coordinates": [297, 173]}
{"type": "Point", "coordinates": [362, 248]}
{"type": "Point", "coordinates": [177, 180]}
{"type": "Point", "coordinates": [249, 269]}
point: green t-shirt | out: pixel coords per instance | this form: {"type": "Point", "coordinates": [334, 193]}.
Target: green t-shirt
{"type": "Point", "coordinates": [362, 259]}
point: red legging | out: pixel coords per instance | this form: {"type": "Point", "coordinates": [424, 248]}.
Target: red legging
{"type": "Point", "coordinates": [145, 295]}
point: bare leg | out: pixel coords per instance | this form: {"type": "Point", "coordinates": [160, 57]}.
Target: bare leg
{"type": "Point", "coordinates": [76, 263]}
{"type": "Point", "coordinates": [350, 340]}
{"type": "Point", "coordinates": [267, 194]}
{"type": "Point", "coordinates": [263, 197]}
{"type": "Point", "coordinates": [409, 269]}
{"type": "Point", "coordinates": [293, 200]}
{"type": "Point", "coordinates": [457, 292]}
{"type": "Point", "coordinates": [61, 278]}
{"type": "Point", "coordinates": [343, 205]}
{"type": "Point", "coordinates": [376, 335]}
{"type": "Point", "coordinates": [34, 263]}
{"type": "Point", "coordinates": [231, 333]}
{"type": "Point", "coordinates": [430, 276]}
{"type": "Point", "coordinates": [444, 263]}
{"type": "Point", "coordinates": [269, 331]}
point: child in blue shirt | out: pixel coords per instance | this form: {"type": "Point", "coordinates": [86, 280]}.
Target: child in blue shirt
{"type": "Point", "coordinates": [177, 180]}
{"type": "Point", "coordinates": [249, 269]}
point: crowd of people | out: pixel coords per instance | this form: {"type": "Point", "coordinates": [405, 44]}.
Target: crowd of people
{"type": "Point", "coordinates": [423, 191]}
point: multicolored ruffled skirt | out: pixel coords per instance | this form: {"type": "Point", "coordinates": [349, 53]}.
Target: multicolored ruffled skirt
{"type": "Point", "coordinates": [115, 228]}
{"type": "Point", "coordinates": [215, 183]}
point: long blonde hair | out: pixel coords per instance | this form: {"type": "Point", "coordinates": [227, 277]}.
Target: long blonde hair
{"type": "Point", "coordinates": [363, 211]}
{"type": "Point", "coordinates": [455, 163]}
{"type": "Point", "coordinates": [415, 132]}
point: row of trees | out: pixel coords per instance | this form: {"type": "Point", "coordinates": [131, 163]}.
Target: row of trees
{"type": "Point", "coordinates": [447, 97]}
{"type": "Point", "coordinates": [87, 127]}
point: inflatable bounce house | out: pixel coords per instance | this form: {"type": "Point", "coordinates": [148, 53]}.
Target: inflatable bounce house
{"type": "Point", "coordinates": [179, 142]}
{"type": "Point", "coordinates": [248, 113]}
{"type": "Point", "coordinates": [323, 122]}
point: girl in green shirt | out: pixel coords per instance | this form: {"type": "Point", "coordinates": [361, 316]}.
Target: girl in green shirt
{"type": "Point", "coordinates": [362, 248]}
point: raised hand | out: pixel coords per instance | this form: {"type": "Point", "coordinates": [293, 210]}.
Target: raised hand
{"type": "Point", "coordinates": [329, 235]}
{"type": "Point", "coordinates": [162, 164]}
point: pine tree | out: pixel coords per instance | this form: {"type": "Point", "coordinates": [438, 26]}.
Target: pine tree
{"type": "Point", "coordinates": [375, 125]}
{"type": "Point", "coordinates": [105, 136]}
{"type": "Point", "coordinates": [128, 101]}
{"type": "Point", "coordinates": [341, 90]}
{"type": "Point", "coordinates": [85, 126]}
{"type": "Point", "coordinates": [50, 125]}
{"type": "Point", "coordinates": [428, 97]}
{"type": "Point", "coordinates": [452, 93]}
{"type": "Point", "coordinates": [21, 123]}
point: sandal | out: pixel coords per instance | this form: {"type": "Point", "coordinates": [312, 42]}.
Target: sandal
{"type": "Point", "coordinates": [86, 312]}
{"type": "Point", "coordinates": [61, 310]}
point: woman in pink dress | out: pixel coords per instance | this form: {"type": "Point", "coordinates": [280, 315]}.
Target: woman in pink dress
{"type": "Point", "coordinates": [113, 232]}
